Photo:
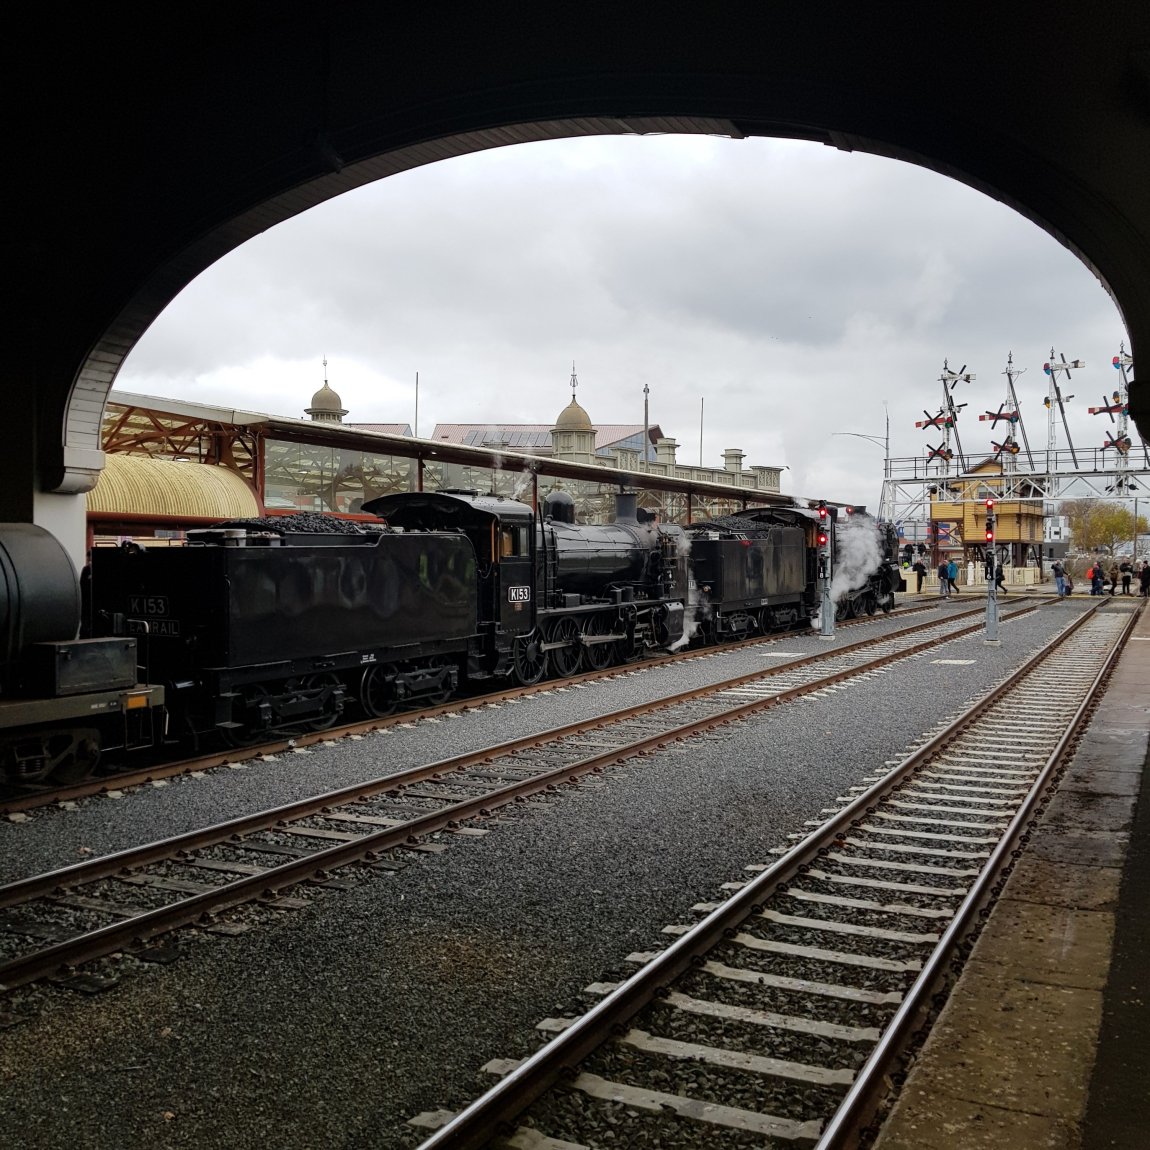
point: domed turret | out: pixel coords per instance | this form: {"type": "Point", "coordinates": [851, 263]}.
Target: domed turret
{"type": "Point", "coordinates": [573, 436]}
{"type": "Point", "coordinates": [325, 404]}
{"type": "Point", "coordinates": [573, 418]}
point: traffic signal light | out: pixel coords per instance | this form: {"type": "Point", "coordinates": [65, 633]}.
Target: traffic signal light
{"type": "Point", "coordinates": [823, 538]}
{"type": "Point", "coordinates": [822, 509]}
{"type": "Point", "coordinates": [989, 520]}
{"type": "Point", "coordinates": [990, 534]}
{"type": "Point", "coordinates": [989, 506]}
{"type": "Point", "coordinates": [850, 511]}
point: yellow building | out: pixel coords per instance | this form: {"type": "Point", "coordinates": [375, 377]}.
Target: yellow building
{"type": "Point", "coordinates": [958, 514]}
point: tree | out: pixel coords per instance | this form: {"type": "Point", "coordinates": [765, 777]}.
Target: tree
{"type": "Point", "coordinates": [1097, 523]}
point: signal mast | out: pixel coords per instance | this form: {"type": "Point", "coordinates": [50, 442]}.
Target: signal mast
{"type": "Point", "coordinates": [1056, 409]}
{"type": "Point", "coordinates": [1010, 413]}
{"type": "Point", "coordinates": [946, 420]}
{"type": "Point", "coordinates": [1119, 440]}
{"type": "Point", "coordinates": [826, 607]}
{"type": "Point", "coordinates": [991, 576]}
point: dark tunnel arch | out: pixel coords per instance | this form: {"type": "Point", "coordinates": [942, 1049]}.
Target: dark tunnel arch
{"type": "Point", "coordinates": [255, 120]}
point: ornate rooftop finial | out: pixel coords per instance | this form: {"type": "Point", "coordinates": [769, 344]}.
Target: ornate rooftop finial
{"type": "Point", "coordinates": [325, 404]}
{"type": "Point", "coordinates": [574, 381]}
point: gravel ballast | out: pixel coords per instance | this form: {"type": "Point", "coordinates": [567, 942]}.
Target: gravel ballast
{"type": "Point", "coordinates": [331, 1025]}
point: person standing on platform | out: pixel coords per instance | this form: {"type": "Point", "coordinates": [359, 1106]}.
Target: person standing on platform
{"type": "Point", "coordinates": [920, 570]}
{"type": "Point", "coordinates": [952, 575]}
{"type": "Point", "coordinates": [1097, 579]}
{"type": "Point", "coordinates": [943, 580]}
{"type": "Point", "coordinates": [1113, 578]}
{"type": "Point", "coordinates": [1059, 578]}
{"type": "Point", "coordinates": [1127, 571]}
{"type": "Point", "coordinates": [1144, 579]}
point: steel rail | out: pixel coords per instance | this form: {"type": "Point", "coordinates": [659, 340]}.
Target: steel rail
{"type": "Point", "coordinates": [92, 869]}
{"type": "Point", "coordinates": [46, 795]}
{"type": "Point", "coordinates": [139, 928]}
{"type": "Point", "coordinates": [858, 1107]}
{"type": "Point", "coordinates": [495, 1111]}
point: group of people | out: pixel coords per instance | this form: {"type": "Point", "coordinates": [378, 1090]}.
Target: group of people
{"type": "Point", "coordinates": [1097, 575]}
{"type": "Point", "coordinates": [947, 574]}
{"type": "Point", "coordinates": [1125, 571]}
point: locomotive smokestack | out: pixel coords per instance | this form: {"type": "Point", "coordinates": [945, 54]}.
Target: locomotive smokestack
{"type": "Point", "coordinates": [626, 505]}
{"type": "Point", "coordinates": [559, 506]}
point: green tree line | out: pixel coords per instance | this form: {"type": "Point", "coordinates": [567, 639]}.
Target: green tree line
{"type": "Point", "coordinates": [1097, 524]}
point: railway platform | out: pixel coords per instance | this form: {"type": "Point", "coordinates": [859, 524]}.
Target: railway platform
{"type": "Point", "coordinates": [1045, 1040]}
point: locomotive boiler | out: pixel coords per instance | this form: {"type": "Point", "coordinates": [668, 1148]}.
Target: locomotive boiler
{"type": "Point", "coordinates": [555, 595]}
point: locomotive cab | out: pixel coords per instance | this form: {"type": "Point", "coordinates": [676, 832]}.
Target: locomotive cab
{"type": "Point", "coordinates": [502, 534]}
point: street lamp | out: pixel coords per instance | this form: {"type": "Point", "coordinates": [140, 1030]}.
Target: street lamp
{"type": "Point", "coordinates": [883, 441]}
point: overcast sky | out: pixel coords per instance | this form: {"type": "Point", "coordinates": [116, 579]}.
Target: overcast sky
{"type": "Point", "coordinates": [794, 287]}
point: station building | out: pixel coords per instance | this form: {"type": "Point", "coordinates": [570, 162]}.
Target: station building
{"type": "Point", "coordinates": [174, 465]}
{"type": "Point", "coordinates": [958, 517]}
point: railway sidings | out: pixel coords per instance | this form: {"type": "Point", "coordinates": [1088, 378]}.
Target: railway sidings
{"type": "Point", "coordinates": [379, 1002]}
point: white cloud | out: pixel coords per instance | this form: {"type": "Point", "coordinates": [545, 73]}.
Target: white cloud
{"type": "Point", "coordinates": [796, 287]}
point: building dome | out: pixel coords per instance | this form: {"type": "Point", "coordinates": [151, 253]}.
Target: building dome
{"type": "Point", "coordinates": [573, 418]}
{"type": "Point", "coordinates": [326, 406]}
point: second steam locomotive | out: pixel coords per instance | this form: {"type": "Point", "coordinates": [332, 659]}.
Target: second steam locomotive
{"type": "Point", "coordinates": [249, 631]}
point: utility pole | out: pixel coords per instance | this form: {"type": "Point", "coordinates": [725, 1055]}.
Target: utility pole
{"type": "Point", "coordinates": [646, 428]}
{"type": "Point", "coordinates": [417, 405]}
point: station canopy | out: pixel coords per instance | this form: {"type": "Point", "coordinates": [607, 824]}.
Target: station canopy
{"type": "Point", "coordinates": [135, 488]}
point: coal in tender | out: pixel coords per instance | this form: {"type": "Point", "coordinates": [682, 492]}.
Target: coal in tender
{"type": "Point", "coordinates": [734, 525]}
{"type": "Point", "coordinates": [303, 523]}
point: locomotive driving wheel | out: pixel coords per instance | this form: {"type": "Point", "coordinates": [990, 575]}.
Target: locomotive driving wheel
{"type": "Point", "coordinates": [528, 658]}
{"type": "Point", "coordinates": [377, 691]}
{"type": "Point", "coordinates": [599, 655]}
{"type": "Point", "coordinates": [565, 660]}
{"type": "Point", "coordinates": [332, 706]}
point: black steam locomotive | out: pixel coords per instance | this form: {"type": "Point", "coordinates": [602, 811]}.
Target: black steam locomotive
{"type": "Point", "coordinates": [248, 631]}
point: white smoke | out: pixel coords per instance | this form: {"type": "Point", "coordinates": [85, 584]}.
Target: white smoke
{"type": "Point", "coordinates": [858, 553]}
{"type": "Point", "coordinates": [698, 607]}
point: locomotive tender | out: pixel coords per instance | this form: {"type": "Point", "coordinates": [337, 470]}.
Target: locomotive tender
{"type": "Point", "coordinates": [245, 632]}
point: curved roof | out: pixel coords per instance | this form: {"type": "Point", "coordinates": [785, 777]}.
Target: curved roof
{"type": "Point", "coordinates": [573, 418]}
{"type": "Point", "coordinates": [148, 485]}
{"type": "Point", "coordinates": [326, 400]}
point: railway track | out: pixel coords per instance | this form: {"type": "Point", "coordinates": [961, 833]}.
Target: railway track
{"type": "Point", "coordinates": [17, 798]}
{"type": "Point", "coordinates": [53, 922]}
{"type": "Point", "coordinates": [777, 1018]}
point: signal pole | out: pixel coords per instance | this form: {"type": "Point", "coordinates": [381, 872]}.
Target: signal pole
{"type": "Point", "coordinates": [826, 607]}
{"type": "Point", "coordinates": [991, 584]}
